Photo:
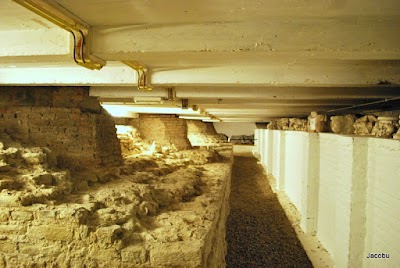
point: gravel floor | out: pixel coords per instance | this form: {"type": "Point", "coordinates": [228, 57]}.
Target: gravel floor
{"type": "Point", "coordinates": [258, 231]}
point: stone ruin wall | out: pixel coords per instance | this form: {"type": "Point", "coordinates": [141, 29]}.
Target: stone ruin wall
{"type": "Point", "coordinates": [142, 231]}
{"type": "Point", "coordinates": [163, 129]}
{"type": "Point", "coordinates": [168, 129]}
{"type": "Point", "coordinates": [382, 124]}
{"type": "Point", "coordinates": [151, 212]}
{"type": "Point", "coordinates": [200, 127]}
{"type": "Point", "coordinates": [65, 119]}
{"type": "Point", "coordinates": [203, 134]}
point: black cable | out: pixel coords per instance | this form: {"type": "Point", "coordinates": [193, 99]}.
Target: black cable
{"type": "Point", "coordinates": [73, 34]}
{"type": "Point", "coordinates": [83, 45]}
{"type": "Point", "coordinates": [364, 104]}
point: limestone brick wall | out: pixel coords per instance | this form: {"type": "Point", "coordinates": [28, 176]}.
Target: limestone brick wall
{"type": "Point", "coordinates": [164, 129]}
{"type": "Point", "coordinates": [65, 119]}
{"type": "Point", "coordinates": [203, 134]}
{"type": "Point", "coordinates": [200, 127]}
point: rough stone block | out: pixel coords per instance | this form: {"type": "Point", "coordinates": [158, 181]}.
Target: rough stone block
{"type": "Point", "coordinates": [175, 254]}
{"type": "Point", "coordinates": [4, 215]}
{"type": "Point", "coordinates": [109, 234]}
{"type": "Point", "coordinates": [43, 179]}
{"type": "Point", "coordinates": [105, 255]}
{"type": "Point", "coordinates": [51, 232]}
{"type": "Point", "coordinates": [34, 158]}
{"type": "Point", "coordinates": [47, 214]}
{"type": "Point", "coordinates": [134, 255]}
{"type": "Point", "coordinates": [21, 215]}
{"type": "Point", "coordinates": [29, 248]}
{"type": "Point", "coordinates": [8, 246]}
{"type": "Point", "coordinates": [12, 230]}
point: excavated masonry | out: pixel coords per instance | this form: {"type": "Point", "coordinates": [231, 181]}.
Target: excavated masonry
{"type": "Point", "coordinates": [156, 208]}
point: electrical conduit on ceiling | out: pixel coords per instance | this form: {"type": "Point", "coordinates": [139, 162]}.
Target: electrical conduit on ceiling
{"type": "Point", "coordinates": [80, 31]}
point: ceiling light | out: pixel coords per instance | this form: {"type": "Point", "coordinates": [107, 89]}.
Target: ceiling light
{"type": "Point", "coordinates": [194, 117]}
{"type": "Point", "coordinates": [120, 111]}
{"type": "Point", "coordinates": [211, 120]}
{"type": "Point", "coordinates": [148, 100]}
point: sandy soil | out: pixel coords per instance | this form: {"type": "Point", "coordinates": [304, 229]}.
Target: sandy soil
{"type": "Point", "coordinates": [258, 231]}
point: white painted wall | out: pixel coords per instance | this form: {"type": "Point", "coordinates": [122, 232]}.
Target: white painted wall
{"type": "Point", "coordinates": [235, 129]}
{"type": "Point", "coordinates": [276, 158]}
{"type": "Point", "coordinates": [334, 195]}
{"type": "Point", "coordinates": [383, 203]}
{"type": "Point", "coordinates": [296, 165]}
{"type": "Point", "coordinates": [345, 188]}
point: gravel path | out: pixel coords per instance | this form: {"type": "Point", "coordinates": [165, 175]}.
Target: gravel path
{"type": "Point", "coordinates": [258, 231]}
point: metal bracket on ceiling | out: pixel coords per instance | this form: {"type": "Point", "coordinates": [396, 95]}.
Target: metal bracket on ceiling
{"type": "Point", "coordinates": [142, 72]}
{"type": "Point", "coordinates": [171, 94]}
{"type": "Point", "coordinates": [79, 29]}
{"type": "Point", "coordinates": [185, 104]}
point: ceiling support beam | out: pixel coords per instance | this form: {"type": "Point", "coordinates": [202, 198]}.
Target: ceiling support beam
{"type": "Point", "coordinates": [73, 75]}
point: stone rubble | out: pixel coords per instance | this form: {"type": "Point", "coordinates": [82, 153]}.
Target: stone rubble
{"type": "Point", "coordinates": [145, 213]}
{"type": "Point", "coordinates": [317, 122]}
{"type": "Point", "coordinates": [363, 126]}
{"type": "Point", "coordinates": [367, 125]}
{"type": "Point", "coordinates": [385, 127]}
{"type": "Point", "coordinates": [397, 135]}
{"type": "Point", "coordinates": [343, 124]}
{"type": "Point", "coordinates": [282, 124]}
{"type": "Point", "coordinates": [298, 124]}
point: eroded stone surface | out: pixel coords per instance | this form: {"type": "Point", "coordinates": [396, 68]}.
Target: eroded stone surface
{"type": "Point", "coordinates": [397, 135]}
{"type": "Point", "coordinates": [136, 215]}
{"type": "Point", "coordinates": [283, 124]}
{"type": "Point", "coordinates": [364, 125]}
{"type": "Point", "coordinates": [343, 124]}
{"type": "Point", "coordinates": [385, 127]}
{"type": "Point", "coordinates": [317, 122]}
{"type": "Point", "coordinates": [272, 124]}
{"type": "Point", "coordinates": [298, 124]}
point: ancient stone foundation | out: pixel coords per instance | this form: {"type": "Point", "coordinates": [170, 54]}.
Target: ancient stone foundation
{"type": "Point", "coordinates": [163, 129]}
{"type": "Point", "coordinates": [156, 208]}
{"type": "Point", "coordinates": [64, 119]}
{"type": "Point", "coordinates": [151, 212]}
{"type": "Point", "coordinates": [204, 134]}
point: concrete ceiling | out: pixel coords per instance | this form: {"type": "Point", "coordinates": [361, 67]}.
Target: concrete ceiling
{"type": "Point", "coordinates": [238, 60]}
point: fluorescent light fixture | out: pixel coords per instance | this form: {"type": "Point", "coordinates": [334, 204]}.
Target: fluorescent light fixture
{"type": "Point", "coordinates": [148, 100]}
{"type": "Point", "coordinates": [150, 109]}
{"type": "Point", "coordinates": [120, 111]}
{"type": "Point", "coordinates": [211, 120]}
{"type": "Point", "coordinates": [194, 117]}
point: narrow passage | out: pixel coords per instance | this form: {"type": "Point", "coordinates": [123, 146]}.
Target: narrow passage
{"type": "Point", "coordinates": [258, 231]}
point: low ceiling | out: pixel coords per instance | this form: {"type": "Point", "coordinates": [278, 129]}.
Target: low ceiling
{"type": "Point", "coordinates": [241, 61]}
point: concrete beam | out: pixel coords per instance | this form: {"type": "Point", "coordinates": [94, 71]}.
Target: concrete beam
{"type": "Point", "coordinates": [124, 94]}
{"type": "Point", "coordinates": [289, 93]}
{"type": "Point", "coordinates": [307, 34]}
{"type": "Point", "coordinates": [334, 75]}
{"type": "Point", "coordinates": [196, 11]}
{"type": "Point", "coordinates": [38, 43]}
{"type": "Point", "coordinates": [68, 74]}
{"type": "Point", "coordinates": [260, 103]}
